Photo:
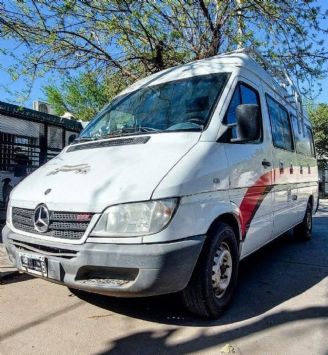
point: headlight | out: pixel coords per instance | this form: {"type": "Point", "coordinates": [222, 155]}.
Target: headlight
{"type": "Point", "coordinates": [135, 219]}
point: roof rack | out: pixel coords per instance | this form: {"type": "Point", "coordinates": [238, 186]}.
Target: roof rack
{"type": "Point", "coordinates": [280, 78]}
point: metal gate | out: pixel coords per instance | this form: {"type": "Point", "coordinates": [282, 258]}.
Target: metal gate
{"type": "Point", "coordinates": [27, 140]}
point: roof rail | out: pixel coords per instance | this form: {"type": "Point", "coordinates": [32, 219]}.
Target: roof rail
{"type": "Point", "coordinates": [280, 77]}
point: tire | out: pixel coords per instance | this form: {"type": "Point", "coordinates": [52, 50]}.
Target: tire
{"type": "Point", "coordinates": [303, 231]}
{"type": "Point", "coordinates": [207, 294]}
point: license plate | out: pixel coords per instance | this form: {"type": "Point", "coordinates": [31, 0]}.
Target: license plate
{"type": "Point", "coordinates": [35, 264]}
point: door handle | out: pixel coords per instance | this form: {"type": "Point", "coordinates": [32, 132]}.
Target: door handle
{"type": "Point", "coordinates": [266, 163]}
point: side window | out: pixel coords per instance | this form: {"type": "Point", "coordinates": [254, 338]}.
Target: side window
{"type": "Point", "coordinates": [280, 125]}
{"type": "Point", "coordinates": [277, 132]}
{"type": "Point", "coordinates": [235, 101]}
{"type": "Point", "coordinates": [297, 133]}
{"type": "Point", "coordinates": [303, 143]}
{"type": "Point", "coordinates": [248, 95]}
{"type": "Point", "coordinates": [299, 125]}
{"type": "Point", "coordinates": [309, 138]}
{"type": "Point", "coordinates": [243, 94]}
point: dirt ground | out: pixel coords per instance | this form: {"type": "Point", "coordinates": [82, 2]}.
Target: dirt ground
{"type": "Point", "coordinates": [280, 307]}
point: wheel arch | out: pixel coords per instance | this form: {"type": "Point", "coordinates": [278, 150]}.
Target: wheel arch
{"type": "Point", "coordinates": [230, 219]}
{"type": "Point", "coordinates": [311, 200]}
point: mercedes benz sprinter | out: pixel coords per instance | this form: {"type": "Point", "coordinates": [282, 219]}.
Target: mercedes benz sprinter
{"type": "Point", "coordinates": [175, 181]}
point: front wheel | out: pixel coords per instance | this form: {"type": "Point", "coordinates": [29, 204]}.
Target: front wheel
{"type": "Point", "coordinates": [303, 231]}
{"type": "Point", "coordinates": [211, 286]}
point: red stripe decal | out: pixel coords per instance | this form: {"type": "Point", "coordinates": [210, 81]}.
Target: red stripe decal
{"type": "Point", "coordinates": [253, 199]}
{"type": "Point", "coordinates": [256, 194]}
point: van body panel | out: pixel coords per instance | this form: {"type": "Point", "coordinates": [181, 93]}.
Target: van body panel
{"type": "Point", "coordinates": [307, 182]}
{"type": "Point", "coordinates": [285, 191]}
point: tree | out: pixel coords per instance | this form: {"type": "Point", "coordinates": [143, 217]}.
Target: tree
{"type": "Point", "coordinates": [85, 94]}
{"type": "Point", "coordinates": [319, 118]}
{"type": "Point", "coordinates": [136, 38]}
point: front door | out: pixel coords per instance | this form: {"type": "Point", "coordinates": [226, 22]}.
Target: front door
{"type": "Point", "coordinates": [250, 172]}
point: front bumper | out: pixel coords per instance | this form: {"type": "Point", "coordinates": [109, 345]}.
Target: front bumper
{"type": "Point", "coordinates": [125, 270]}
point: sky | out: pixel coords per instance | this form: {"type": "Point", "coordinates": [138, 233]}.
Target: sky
{"type": "Point", "coordinates": [9, 89]}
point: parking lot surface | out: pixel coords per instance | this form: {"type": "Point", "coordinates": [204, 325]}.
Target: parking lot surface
{"type": "Point", "coordinates": [280, 307]}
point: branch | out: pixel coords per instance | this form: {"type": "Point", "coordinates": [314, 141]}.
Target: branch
{"type": "Point", "coordinates": [108, 56]}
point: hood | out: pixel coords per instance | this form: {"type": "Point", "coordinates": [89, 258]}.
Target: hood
{"type": "Point", "coordinates": [100, 175]}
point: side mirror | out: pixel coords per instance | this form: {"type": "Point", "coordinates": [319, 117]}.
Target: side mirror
{"type": "Point", "coordinates": [248, 123]}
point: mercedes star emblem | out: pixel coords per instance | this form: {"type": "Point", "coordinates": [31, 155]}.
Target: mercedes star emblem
{"type": "Point", "coordinates": [41, 219]}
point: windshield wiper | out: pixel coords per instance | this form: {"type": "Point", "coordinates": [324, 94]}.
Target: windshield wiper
{"type": "Point", "coordinates": [149, 129]}
{"type": "Point", "coordinates": [84, 139]}
{"type": "Point", "coordinates": [195, 129]}
{"type": "Point", "coordinates": [132, 131]}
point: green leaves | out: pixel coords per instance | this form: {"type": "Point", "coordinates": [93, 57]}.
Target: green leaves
{"type": "Point", "coordinates": [319, 119]}
{"type": "Point", "coordinates": [137, 38]}
{"type": "Point", "coordinates": [85, 94]}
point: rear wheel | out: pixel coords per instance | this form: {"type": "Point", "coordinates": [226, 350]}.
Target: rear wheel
{"type": "Point", "coordinates": [303, 231]}
{"type": "Point", "coordinates": [214, 279]}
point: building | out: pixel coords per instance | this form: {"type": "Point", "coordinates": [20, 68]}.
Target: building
{"type": "Point", "coordinates": [29, 138]}
{"type": "Point", "coordinates": [43, 106]}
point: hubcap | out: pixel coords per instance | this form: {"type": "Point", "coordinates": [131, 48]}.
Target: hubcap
{"type": "Point", "coordinates": [221, 270]}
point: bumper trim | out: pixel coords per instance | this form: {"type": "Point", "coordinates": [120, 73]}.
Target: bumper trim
{"type": "Point", "coordinates": [157, 268]}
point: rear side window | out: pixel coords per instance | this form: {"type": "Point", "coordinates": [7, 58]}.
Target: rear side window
{"type": "Point", "coordinates": [280, 125]}
{"type": "Point", "coordinates": [309, 139]}
{"type": "Point", "coordinates": [298, 135]}
{"type": "Point", "coordinates": [303, 142]}
{"type": "Point", "coordinates": [243, 94]}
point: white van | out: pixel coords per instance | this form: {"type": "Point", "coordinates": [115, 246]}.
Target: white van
{"type": "Point", "coordinates": [180, 177]}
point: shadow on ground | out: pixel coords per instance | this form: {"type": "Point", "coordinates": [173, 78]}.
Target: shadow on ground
{"type": "Point", "coordinates": [280, 271]}
{"type": "Point", "coordinates": [14, 278]}
{"type": "Point", "coordinates": [157, 342]}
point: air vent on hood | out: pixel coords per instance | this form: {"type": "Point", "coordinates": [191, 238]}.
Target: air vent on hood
{"type": "Point", "coordinates": [109, 143]}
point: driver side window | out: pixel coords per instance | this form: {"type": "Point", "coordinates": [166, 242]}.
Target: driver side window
{"type": "Point", "coordinates": [243, 94]}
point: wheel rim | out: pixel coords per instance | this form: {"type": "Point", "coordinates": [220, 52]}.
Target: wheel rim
{"type": "Point", "coordinates": [221, 270]}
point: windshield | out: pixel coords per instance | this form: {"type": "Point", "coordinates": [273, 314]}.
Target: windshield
{"type": "Point", "coordinates": [179, 105]}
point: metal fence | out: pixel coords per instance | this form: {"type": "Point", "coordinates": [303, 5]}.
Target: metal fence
{"type": "Point", "coordinates": [25, 143]}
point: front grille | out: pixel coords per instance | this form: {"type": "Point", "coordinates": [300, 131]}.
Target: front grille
{"type": "Point", "coordinates": [63, 225]}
